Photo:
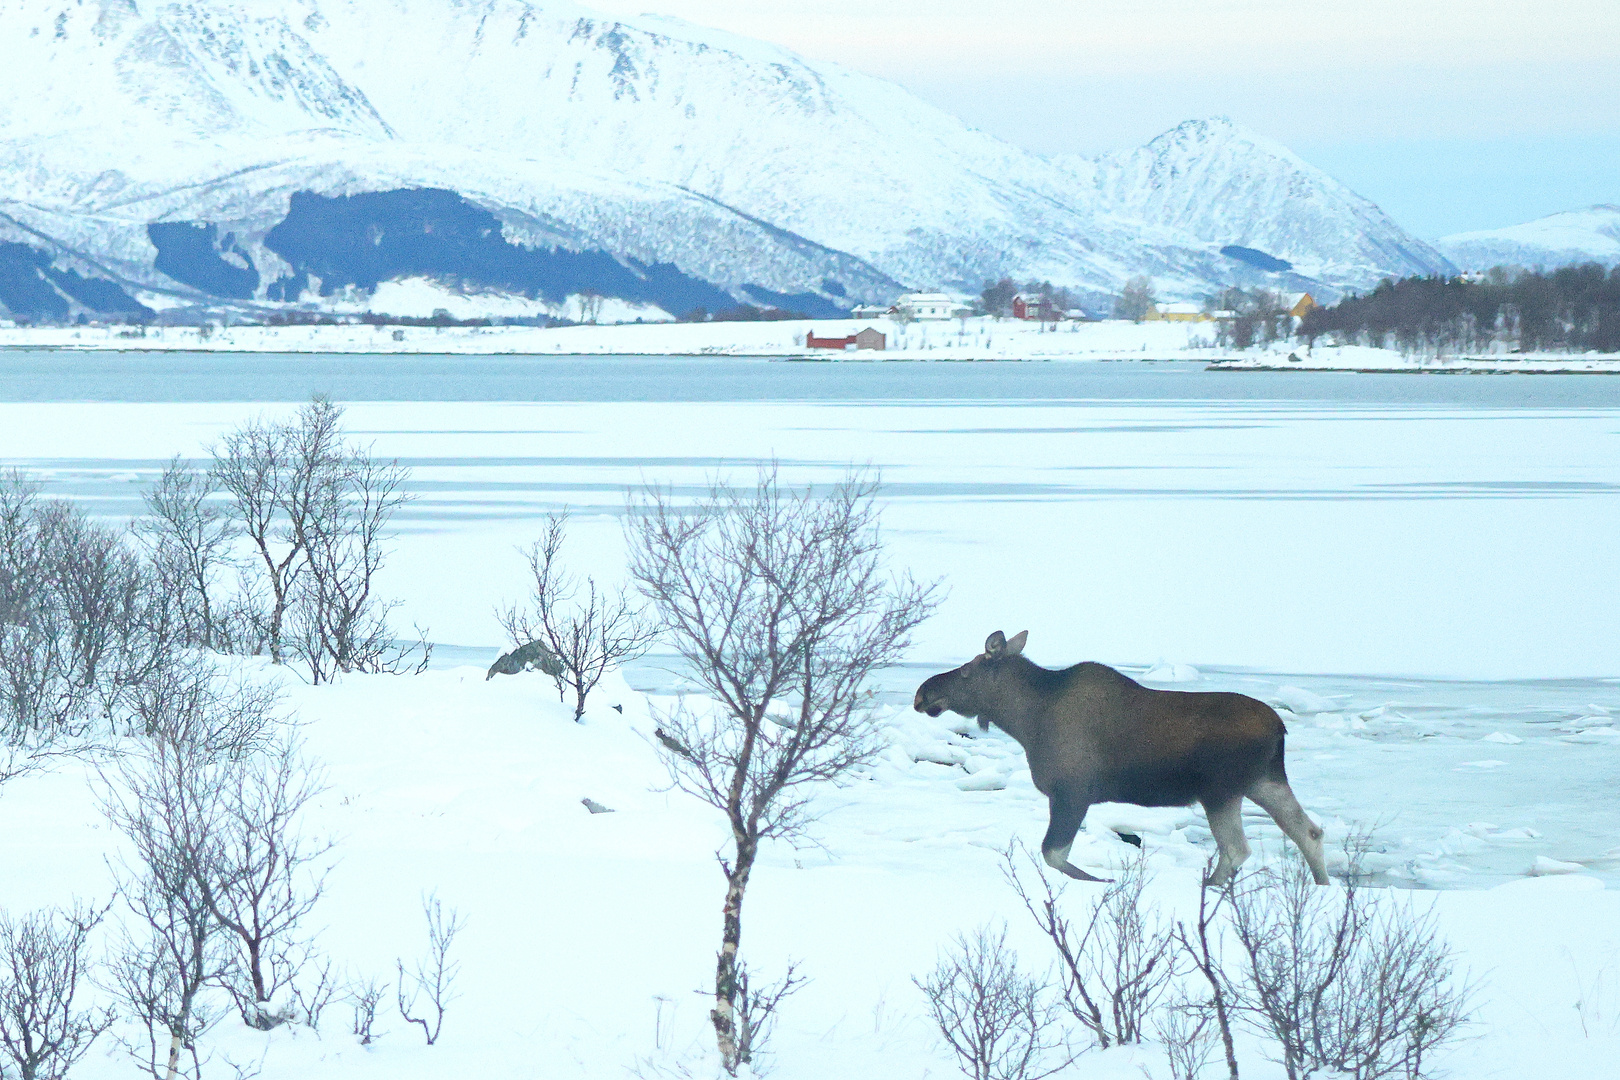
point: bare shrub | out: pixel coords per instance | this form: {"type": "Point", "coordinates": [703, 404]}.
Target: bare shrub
{"type": "Point", "coordinates": [81, 624]}
{"type": "Point", "coordinates": [43, 963]}
{"type": "Point", "coordinates": [1187, 1031]}
{"type": "Point", "coordinates": [1116, 965]}
{"type": "Point", "coordinates": [188, 538]}
{"type": "Point", "coordinates": [780, 607]}
{"type": "Point", "coordinates": [165, 802]}
{"type": "Point", "coordinates": [341, 624]}
{"type": "Point", "coordinates": [316, 511]}
{"type": "Point", "coordinates": [262, 875]}
{"type": "Point", "coordinates": [584, 627]}
{"type": "Point", "coordinates": [1001, 1023]}
{"type": "Point", "coordinates": [1200, 942]}
{"type": "Point", "coordinates": [435, 977]}
{"type": "Point", "coordinates": [1343, 982]}
{"type": "Point", "coordinates": [364, 997]}
{"type": "Point", "coordinates": [191, 701]}
{"type": "Point", "coordinates": [757, 1011]}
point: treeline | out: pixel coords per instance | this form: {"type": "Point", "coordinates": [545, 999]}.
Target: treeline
{"type": "Point", "coordinates": [743, 313]}
{"type": "Point", "coordinates": [1571, 309]}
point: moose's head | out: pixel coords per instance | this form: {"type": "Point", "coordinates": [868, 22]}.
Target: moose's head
{"type": "Point", "coordinates": [971, 688]}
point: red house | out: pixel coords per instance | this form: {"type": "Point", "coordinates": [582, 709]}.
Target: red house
{"type": "Point", "coordinates": [866, 339]}
{"type": "Point", "coordinates": [1033, 307]}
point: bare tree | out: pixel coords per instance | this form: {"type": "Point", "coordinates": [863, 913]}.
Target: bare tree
{"type": "Point", "coordinates": [341, 623]}
{"type": "Point", "coordinates": [166, 802]}
{"type": "Point", "coordinates": [43, 964]}
{"type": "Point", "coordinates": [1118, 964]}
{"type": "Point", "coordinates": [264, 875]}
{"type": "Point", "coordinates": [188, 537]}
{"type": "Point", "coordinates": [585, 628]}
{"type": "Point", "coordinates": [1136, 299]}
{"type": "Point", "coordinates": [434, 977]}
{"type": "Point", "coordinates": [1000, 1022]}
{"type": "Point", "coordinates": [1342, 983]}
{"type": "Point", "coordinates": [780, 606]}
{"type": "Point", "coordinates": [81, 624]}
{"type": "Point", "coordinates": [364, 997]}
{"type": "Point", "coordinates": [590, 306]}
{"type": "Point", "coordinates": [316, 511]}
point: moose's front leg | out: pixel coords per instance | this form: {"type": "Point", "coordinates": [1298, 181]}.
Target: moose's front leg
{"type": "Point", "coordinates": [1068, 813]}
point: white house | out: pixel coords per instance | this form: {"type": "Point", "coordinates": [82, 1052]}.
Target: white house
{"type": "Point", "coordinates": [922, 306]}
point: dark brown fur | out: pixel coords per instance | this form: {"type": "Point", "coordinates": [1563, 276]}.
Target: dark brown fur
{"type": "Point", "coordinates": [1093, 735]}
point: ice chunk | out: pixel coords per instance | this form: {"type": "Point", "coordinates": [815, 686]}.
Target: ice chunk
{"type": "Point", "coordinates": [1545, 867]}
{"type": "Point", "coordinates": [1489, 763]}
{"type": "Point", "coordinates": [1171, 673]}
{"type": "Point", "coordinates": [1502, 737]}
{"type": "Point", "coordinates": [1302, 702]}
{"type": "Point", "coordinates": [988, 780]}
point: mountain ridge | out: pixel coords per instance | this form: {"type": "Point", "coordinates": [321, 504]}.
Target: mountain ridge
{"type": "Point", "coordinates": [649, 141]}
{"type": "Point", "coordinates": [1590, 234]}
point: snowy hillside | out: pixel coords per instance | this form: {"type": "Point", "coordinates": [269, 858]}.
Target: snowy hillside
{"type": "Point", "coordinates": [566, 152]}
{"type": "Point", "coordinates": [1260, 202]}
{"type": "Point", "coordinates": [1567, 239]}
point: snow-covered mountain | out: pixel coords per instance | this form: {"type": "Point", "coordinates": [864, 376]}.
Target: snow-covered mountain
{"type": "Point", "coordinates": [1567, 239]}
{"type": "Point", "coordinates": [272, 151]}
{"type": "Point", "coordinates": [1261, 202]}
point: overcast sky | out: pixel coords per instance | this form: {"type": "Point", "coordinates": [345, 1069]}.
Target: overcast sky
{"type": "Point", "coordinates": [1451, 114]}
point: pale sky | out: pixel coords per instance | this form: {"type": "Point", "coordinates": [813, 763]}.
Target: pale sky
{"type": "Point", "coordinates": [1451, 114]}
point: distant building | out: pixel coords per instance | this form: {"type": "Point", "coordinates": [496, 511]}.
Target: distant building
{"type": "Point", "coordinates": [924, 306]}
{"type": "Point", "coordinates": [1176, 313]}
{"type": "Point", "coordinates": [864, 339]}
{"type": "Point", "coordinates": [871, 311]}
{"type": "Point", "coordinates": [1299, 303]}
{"type": "Point", "coordinates": [1029, 306]}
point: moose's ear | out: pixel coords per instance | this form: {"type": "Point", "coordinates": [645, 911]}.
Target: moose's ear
{"type": "Point", "coordinates": [995, 643]}
{"type": "Point", "coordinates": [1016, 645]}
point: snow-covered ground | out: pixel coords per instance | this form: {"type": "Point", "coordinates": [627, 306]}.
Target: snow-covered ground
{"type": "Point", "coordinates": [966, 339]}
{"type": "Point", "coordinates": [969, 339]}
{"type": "Point", "coordinates": [1419, 571]}
{"type": "Point", "coordinates": [1292, 356]}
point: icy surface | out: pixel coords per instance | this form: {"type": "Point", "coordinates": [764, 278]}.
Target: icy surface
{"type": "Point", "coordinates": [1256, 533]}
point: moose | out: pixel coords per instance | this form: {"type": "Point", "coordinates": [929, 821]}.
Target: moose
{"type": "Point", "coordinates": [1093, 735]}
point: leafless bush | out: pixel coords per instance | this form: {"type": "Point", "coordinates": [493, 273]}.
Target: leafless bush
{"type": "Point", "coordinates": [316, 512]}
{"type": "Point", "coordinates": [340, 623]}
{"type": "Point", "coordinates": [264, 875]}
{"type": "Point", "coordinates": [81, 624]}
{"type": "Point", "coordinates": [434, 977]}
{"type": "Point", "coordinates": [586, 634]}
{"type": "Point", "coordinates": [165, 801]}
{"type": "Point", "coordinates": [1343, 982]}
{"type": "Point", "coordinates": [1117, 965]}
{"type": "Point", "coordinates": [364, 997]}
{"type": "Point", "coordinates": [757, 1011]}
{"type": "Point", "coordinates": [191, 701]}
{"type": "Point", "coordinates": [43, 961]}
{"type": "Point", "coordinates": [1200, 942]}
{"type": "Point", "coordinates": [1187, 1031]}
{"type": "Point", "coordinates": [779, 604]}
{"type": "Point", "coordinates": [1001, 1023]}
{"type": "Point", "coordinates": [188, 538]}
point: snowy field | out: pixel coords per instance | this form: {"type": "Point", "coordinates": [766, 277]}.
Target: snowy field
{"type": "Point", "coordinates": [965, 339]}
{"type": "Point", "coordinates": [1421, 572]}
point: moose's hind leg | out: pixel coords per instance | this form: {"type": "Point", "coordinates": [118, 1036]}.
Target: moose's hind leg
{"type": "Point", "coordinates": [1226, 824]}
{"type": "Point", "coordinates": [1276, 798]}
{"type": "Point", "coordinates": [1067, 815]}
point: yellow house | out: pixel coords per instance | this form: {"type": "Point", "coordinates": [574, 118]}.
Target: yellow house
{"type": "Point", "coordinates": [1176, 313]}
{"type": "Point", "coordinates": [1299, 303]}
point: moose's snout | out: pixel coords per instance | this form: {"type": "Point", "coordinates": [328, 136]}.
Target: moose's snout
{"type": "Point", "coordinates": [923, 706]}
